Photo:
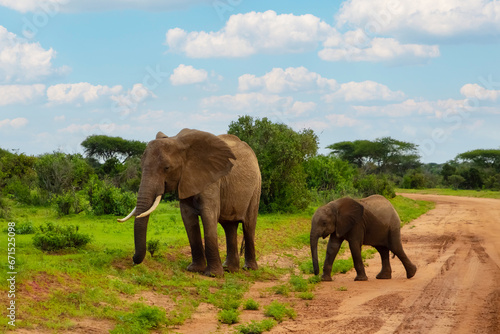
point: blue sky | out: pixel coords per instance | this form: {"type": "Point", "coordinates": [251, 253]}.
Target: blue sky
{"type": "Point", "coordinates": [426, 71]}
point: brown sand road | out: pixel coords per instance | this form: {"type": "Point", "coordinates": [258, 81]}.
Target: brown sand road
{"type": "Point", "coordinates": [456, 248]}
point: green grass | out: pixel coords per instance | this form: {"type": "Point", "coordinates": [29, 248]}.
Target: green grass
{"type": "Point", "coordinates": [452, 192]}
{"type": "Point", "coordinates": [99, 280]}
{"type": "Point", "coordinates": [257, 327]}
{"type": "Point", "coordinates": [279, 311]}
{"type": "Point", "coordinates": [409, 209]}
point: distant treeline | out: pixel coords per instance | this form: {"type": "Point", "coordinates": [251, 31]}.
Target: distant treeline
{"type": "Point", "coordinates": [105, 179]}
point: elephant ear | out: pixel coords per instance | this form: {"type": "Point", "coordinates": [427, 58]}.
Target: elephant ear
{"type": "Point", "coordinates": [349, 212]}
{"type": "Point", "coordinates": [207, 160]}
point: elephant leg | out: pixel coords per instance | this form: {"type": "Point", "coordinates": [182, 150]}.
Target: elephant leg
{"type": "Point", "coordinates": [214, 264]}
{"type": "Point", "coordinates": [232, 263]}
{"type": "Point", "coordinates": [249, 236]}
{"type": "Point", "coordinates": [332, 249]}
{"type": "Point", "coordinates": [355, 248]}
{"type": "Point", "coordinates": [386, 271]}
{"type": "Point", "coordinates": [410, 268]}
{"type": "Point", "coordinates": [192, 225]}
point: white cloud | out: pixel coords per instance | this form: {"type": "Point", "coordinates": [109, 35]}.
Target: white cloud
{"type": "Point", "coordinates": [364, 91]}
{"type": "Point", "coordinates": [249, 102]}
{"type": "Point", "coordinates": [126, 103]}
{"type": "Point", "coordinates": [21, 61]}
{"type": "Point", "coordinates": [292, 79]}
{"type": "Point", "coordinates": [362, 48]}
{"type": "Point", "coordinates": [78, 92]}
{"type": "Point", "coordinates": [341, 121]}
{"type": "Point", "coordinates": [299, 108]}
{"type": "Point", "coordinates": [250, 33]}
{"type": "Point", "coordinates": [10, 94]}
{"type": "Point", "coordinates": [425, 18]}
{"type": "Point", "coordinates": [55, 6]}
{"type": "Point", "coordinates": [479, 92]}
{"type": "Point", "coordinates": [60, 118]}
{"type": "Point", "coordinates": [15, 123]}
{"type": "Point", "coordinates": [186, 75]}
{"type": "Point", "coordinates": [105, 127]}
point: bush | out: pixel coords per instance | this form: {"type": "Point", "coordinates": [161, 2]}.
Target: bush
{"type": "Point", "coordinates": [257, 327]}
{"type": "Point", "coordinates": [372, 184]}
{"type": "Point", "coordinates": [229, 317]}
{"type": "Point", "coordinates": [25, 228]}
{"type": "Point", "coordinates": [251, 304]}
{"type": "Point", "coordinates": [104, 198]}
{"type": "Point", "coordinates": [54, 238]}
{"type": "Point", "coordinates": [279, 311]}
{"type": "Point", "coordinates": [153, 245]}
{"type": "Point", "coordinates": [142, 320]}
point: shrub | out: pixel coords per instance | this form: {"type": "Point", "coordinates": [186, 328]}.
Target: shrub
{"type": "Point", "coordinates": [229, 317]}
{"type": "Point", "coordinates": [257, 327]}
{"type": "Point", "coordinates": [104, 198]}
{"type": "Point", "coordinates": [142, 320]}
{"type": "Point", "coordinates": [53, 238]}
{"type": "Point", "coordinates": [251, 304]}
{"type": "Point", "coordinates": [153, 245]}
{"type": "Point", "coordinates": [299, 283]}
{"type": "Point", "coordinates": [279, 311]}
{"type": "Point", "coordinates": [372, 184]}
{"type": "Point", "coordinates": [25, 228]}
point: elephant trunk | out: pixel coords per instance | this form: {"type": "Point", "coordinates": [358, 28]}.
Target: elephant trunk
{"type": "Point", "coordinates": [314, 252]}
{"type": "Point", "coordinates": [144, 202]}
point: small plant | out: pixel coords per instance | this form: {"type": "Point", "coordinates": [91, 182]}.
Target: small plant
{"type": "Point", "coordinates": [257, 327]}
{"type": "Point", "coordinates": [229, 317]}
{"type": "Point", "coordinates": [299, 284]}
{"type": "Point", "coordinates": [307, 295]}
{"type": "Point", "coordinates": [54, 238]}
{"type": "Point", "coordinates": [251, 304]}
{"type": "Point", "coordinates": [282, 289]}
{"type": "Point", "coordinates": [341, 288]}
{"type": "Point", "coordinates": [279, 311]}
{"type": "Point", "coordinates": [153, 246]}
{"type": "Point", "coordinates": [25, 228]}
{"type": "Point", "coordinates": [142, 320]}
{"type": "Point", "coordinates": [342, 266]}
{"type": "Point", "coordinates": [314, 279]}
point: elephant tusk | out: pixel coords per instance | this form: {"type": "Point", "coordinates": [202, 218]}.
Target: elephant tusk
{"type": "Point", "coordinates": [128, 217]}
{"type": "Point", "coordinates": [153, 207]}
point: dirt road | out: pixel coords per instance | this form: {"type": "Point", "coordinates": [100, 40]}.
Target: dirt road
{"type": "Point", "coordinates": [456, 247]}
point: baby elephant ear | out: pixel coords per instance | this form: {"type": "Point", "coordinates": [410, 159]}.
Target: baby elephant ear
{"type": "Point", "coordinates": [161, 135]}
{"type": "Point", "coordinates": [349, 212]}
{"type": "Point", "coordinates": [207, 159]}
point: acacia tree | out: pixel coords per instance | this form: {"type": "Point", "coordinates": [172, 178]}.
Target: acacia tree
{"type": "Point", "coordinates": [281, 152]}
{"type": "Point", "coordinates": [388, 155]}
{"type": "Point", "coordinates": [103, 147]}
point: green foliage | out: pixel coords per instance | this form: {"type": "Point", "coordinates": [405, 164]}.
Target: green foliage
{"type": "Point", "coordinates": [330, 176]}
{"type": "Point", "coordinates": [306, 295]}
{"type": "Point", "coordinates": [54, 237]}
{"type": "Point", "coordinates": [25, 228]}
{"type": "Point", "coordinates": [141, 320]}
{"type": "Point", "coordinates": [153, 246]}
{"type": "Point", "coordinates": [229, 317]}
{"type": "Point", "coordinates": [69, 202]}
{"type": "Point", "coordinates": [279, 311]}
{"type": "Point", "coordinates": [299, 284]}
{"type": "Point", "coordinates": [250, 304]}
{"type": "Point", "coordinates": [371, 184]}
{"type": "Point", "coordinates": [106, 147]}
{"type": "Point", "coordinates": [257, 327]}
{"type": "Point", "coordinates": [482, 158]}
{"type": "Point", "coordinates": [388, 155]}
{"type": "Point", "coordinates": [281, 152]}
{"type": "Point", "coordinates": [104, 198]}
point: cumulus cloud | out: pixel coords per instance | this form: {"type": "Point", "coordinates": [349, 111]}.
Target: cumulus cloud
{"type": "Point", "coordinates": [251, 33]}
{"type": "Point", "coordinates": [292, 79]}
{"type": "Point", "coordinates": [363, 91]}
{"type": "Point", "coordinates": [78, 92]}
{"type": "Point", "coordinates": [186, 75]}
{"type": "Point", "coordinates": [479, 92]}
{"type": "Point", "coordinates": [341, 121]}
{"type": "Point", "coordinates": [21, 61]}
{"type": "Point", "coordinates": [249, 102]}
{"type": "Point", "coordinates": [15, 123]}
{"type": "Point", "coordinates": [104, 127]}
{"type": "Point", "coordinates": [97, 5]}
{"type": "Point", "coordinates": [423, 19]}
{"type": "Point", "coordinates": [128, 102]}
{"type": "Point", "coordinates": [10, 94]}
{"type": "Point", "coordinates": [357, 46]}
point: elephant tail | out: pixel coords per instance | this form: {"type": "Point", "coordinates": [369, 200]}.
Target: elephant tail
{"type": "Point", "coordinates": [242, 249]}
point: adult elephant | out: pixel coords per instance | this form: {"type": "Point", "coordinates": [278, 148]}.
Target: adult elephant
{"type": "Point", "coordinates": [369, 221]}
{"type": "Point", "coordinates": [217, 179]}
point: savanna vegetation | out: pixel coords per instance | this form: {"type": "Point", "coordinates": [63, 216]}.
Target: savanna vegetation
{"type": "Point", "coordinates": [74, 261]}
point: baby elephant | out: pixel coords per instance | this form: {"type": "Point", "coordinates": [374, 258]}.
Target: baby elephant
{"type": "Point", "coordinates": [369, 221]}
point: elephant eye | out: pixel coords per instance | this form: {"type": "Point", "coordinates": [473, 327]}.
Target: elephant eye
{"type": "Point", "coordinates": [166, 168]}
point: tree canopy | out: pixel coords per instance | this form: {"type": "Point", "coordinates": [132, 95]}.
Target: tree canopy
{"type": "Point", "coordinates": [105, 147]}
{"type": "Point", "coordinates": [281, 152]}
{"type": "Point", "coordinates": [482, 158]}
{"type": "Point", "coordinates": [388, 155]}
